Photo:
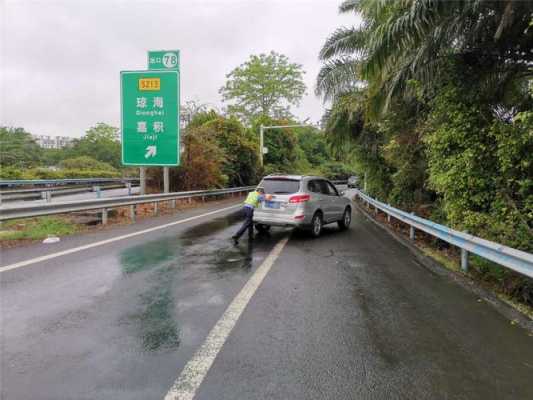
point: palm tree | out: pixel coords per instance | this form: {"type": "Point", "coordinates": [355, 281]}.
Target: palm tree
{"type": "Point", "coordinates": [403, 40]}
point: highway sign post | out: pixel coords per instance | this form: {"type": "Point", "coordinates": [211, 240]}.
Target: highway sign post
{"type": "Point", "coordinates": [165, 60]}
{"type": "Point", "coordinates": [149, 114]}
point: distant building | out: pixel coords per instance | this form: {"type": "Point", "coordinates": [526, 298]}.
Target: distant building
{"type": "Point", "coordinates": [52, 142]}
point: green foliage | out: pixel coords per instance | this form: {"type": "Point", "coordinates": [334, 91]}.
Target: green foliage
{"type": "Point", "coordinates": [18, 149]}
{"type": "Point", "coordinates": [241, 159]}
{"type": "Point", "coordinates": [46, 173]}
{"type": "Point", "coordinates": [313, 145]}
{"type": "Point", "coordinates": [282, 143]}
{"type": "Point", "coordinates": [85, 162]}
{"type": "Point", "coordinates": [37, 228]}
{"type": "Point", "coordinates": [100, 142]}
{"type": "Point", "coordinates": [482, 168]}
{"type": "Point", "coordinates": [52, 157]}
{"type": "Point", "coordinates": [404, 40]}
{"type": "Point", "coordinates": [201, 163]}
{"type": "Point", "coordinates": [264, 86]}
{"type": "Point", "coordinates": [11, 173]}
{"type": "Point", "coordinates": [336, 170]}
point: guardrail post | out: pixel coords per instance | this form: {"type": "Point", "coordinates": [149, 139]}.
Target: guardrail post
{"type": "Point", "coordinates": [388, 215]}
{"type": "Point", "coordinates": [132, 213]}
{"type": "Point", "coordinates": [104, 216]}
{"type": "Point", "coordinates": [98, 191]}
{"type": "Point", "coordinates": [464, 259]}
{"type": "Point", "coordinates": [412, 230]}
{"type": "Point", "coordinates": [156, 208]}
{"type": "Point", "coordinates": [203, 199]}
{"type": "Point", "coordinates": [173, 203]}
{"type": "Point", "coordinates": [48, 196]}
{"type": "Point", "coordinates": [128, 185]}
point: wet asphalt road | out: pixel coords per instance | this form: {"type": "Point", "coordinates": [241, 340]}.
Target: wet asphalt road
{"type": "Point", "coordinates": [351, 315]}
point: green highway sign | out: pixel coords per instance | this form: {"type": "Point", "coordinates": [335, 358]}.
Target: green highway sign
{"type": "Point", "coordinates": [164, 59]}
{"type": "Point", "coordinates": [149, 118]}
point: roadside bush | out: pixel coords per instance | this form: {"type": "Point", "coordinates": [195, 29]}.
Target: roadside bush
{"type": "Point", "coordinates": [336, 170]}
{"type": "Point", "coordinates": [11, 173]}
{"type": "Point", "coordinates": [85, 163]}
{"type": "Point", "coordinates": [43, 173]}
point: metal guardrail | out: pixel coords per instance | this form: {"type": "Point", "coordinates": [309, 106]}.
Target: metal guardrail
{"type": "Point", "coordinates": [54, 182]}
{"type": "Point", "coordinates": [517, 260]}
{"type": "Point", "coordinates": [8, 213]}
{"type": "Point", "coordinates": [47, 192]}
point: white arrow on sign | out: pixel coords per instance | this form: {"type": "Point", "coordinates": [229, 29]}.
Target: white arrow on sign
{"type": "Point", "coordinates": [151, 151]}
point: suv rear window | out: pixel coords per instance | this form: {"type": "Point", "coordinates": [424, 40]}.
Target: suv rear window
{"type": "Point", "coordinates": [280, 186]}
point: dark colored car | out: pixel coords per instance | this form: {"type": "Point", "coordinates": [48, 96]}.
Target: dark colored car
{"type": "Point", "coordinates": [353, 182]}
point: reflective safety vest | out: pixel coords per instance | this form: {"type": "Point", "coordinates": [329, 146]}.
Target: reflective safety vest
{"type": "Point", "coordinates": [253, 199]}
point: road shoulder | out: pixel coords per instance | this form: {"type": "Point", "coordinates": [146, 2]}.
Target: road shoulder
{"type": "Point", "coordinates": [467, 283]}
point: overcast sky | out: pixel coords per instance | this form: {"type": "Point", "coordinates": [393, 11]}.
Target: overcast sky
{"type": "Point", "coordinates": [60, 60]}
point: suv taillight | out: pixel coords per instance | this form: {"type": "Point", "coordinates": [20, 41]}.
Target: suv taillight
{"type": "Point", "coordinates": [299, 198]}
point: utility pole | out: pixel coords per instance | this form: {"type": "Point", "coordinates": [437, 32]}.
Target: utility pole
{"type": "Point", "coordinates": [261, 145]}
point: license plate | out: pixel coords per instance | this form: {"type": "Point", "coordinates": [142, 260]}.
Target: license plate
{"type": "Point", "coordinates": [272, 204]}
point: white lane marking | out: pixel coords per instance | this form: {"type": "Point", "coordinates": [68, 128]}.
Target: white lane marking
{"type": "Point", "coordinates": [196, 369]}
{"type": "Point", "coordinates": [102, 242]}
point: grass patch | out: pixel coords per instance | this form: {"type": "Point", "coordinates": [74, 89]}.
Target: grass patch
{"type": "Point", "coordinates": [441, 258]}
{"type": "Point", "coordinates": [37, 228]}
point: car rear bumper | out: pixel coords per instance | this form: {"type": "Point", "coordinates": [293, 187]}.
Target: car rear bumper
{"type": "Point", "coordinates": [279, 220]}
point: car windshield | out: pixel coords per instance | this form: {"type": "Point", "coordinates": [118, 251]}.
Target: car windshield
{"type": "Point", "coordinates": [280, 185]}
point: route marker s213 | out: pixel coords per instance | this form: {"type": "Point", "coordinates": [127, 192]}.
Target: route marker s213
{"type": "Point", "coordinates": [150, 117]}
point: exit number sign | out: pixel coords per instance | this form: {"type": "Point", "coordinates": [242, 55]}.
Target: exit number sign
{"type": "Point", "coordinates": [164, 60]}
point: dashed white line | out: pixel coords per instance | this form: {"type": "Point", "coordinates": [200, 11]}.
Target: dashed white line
{"type": "Point", "coordinates": [107, 241]}
{"type": "Point", "coordinates": [196, 369]}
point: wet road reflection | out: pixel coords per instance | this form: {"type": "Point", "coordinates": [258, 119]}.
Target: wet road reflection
{"type": "Point", "coordinates": [201, 254]}
{"type": "Point", "coordinates": [117, 322]}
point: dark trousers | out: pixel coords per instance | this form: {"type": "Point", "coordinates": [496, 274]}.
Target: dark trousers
{"type": "Point", "coordinates": [247, 224]}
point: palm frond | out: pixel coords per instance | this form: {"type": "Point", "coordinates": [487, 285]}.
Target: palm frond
{"type": "Point", "coordinates": [344, 41]}
{"type": "Point", "coordinates": [337, 76]}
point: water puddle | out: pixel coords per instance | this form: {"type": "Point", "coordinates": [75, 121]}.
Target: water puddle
{"type": "Point", "coordinates": [160, 266]}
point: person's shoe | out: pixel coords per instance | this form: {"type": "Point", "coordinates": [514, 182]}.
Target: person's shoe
{"type": "Point", "coordinates": [235, 240]}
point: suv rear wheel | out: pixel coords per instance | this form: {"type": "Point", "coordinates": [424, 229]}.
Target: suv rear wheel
{"type": "Point", "coordinates": [316, 225]}
{"type": "Point", "coordinates": [344, 223]}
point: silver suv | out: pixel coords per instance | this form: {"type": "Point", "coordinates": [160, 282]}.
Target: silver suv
{"type": "Point", "coordinates": [302, 202]}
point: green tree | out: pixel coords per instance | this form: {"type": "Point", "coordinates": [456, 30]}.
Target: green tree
{"type": "Point", "coordinates": [408, 40]}
{"type": "Point", "coordinates": [202, 162]}
{"type": "Point", "coordinates": [18, 149]}
{"type": "Point", "coordinates": [264, 86]}
{"type": "Point", "coordinates": [313, 144]}
{"type": "Point", "coordinates": [100, 142]}
{"type": "Point", "coordinates": [282, 144]}
{"type": "Point", "coordinates": [240, 163]}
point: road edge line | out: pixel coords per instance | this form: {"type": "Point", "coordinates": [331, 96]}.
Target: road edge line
{"type": "Point", "coordinates": [196, 369]}
{"type": "Point", "coordinates": [107, 241]}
